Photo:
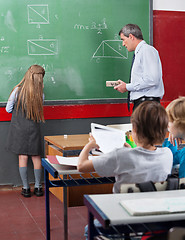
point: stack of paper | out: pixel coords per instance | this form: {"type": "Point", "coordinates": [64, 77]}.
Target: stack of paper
{"type": "Point", "coordinates": [107, 138]}
{"type": "Point", "coordinates": [153, 206]}
{"type": "Point", "coordinates": [69, 161]}
{"type": "Point", "coordinates": [125, 127]}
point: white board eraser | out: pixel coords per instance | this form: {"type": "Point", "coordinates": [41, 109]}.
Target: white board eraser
{"type": "Point", "coordinates": [111, 83]}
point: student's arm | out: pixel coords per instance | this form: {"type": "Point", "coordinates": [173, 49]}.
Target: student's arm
{"type": "Point", "coordinates": [182, 163]}
{"type": "Point", "coordinates": [176, 153]}
{"type": "Point", "coordinates": [11, 101]}
{"type": "Point", "coordinates": [84, 164]}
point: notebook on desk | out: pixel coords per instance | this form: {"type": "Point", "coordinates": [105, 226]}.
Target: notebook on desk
{"type": "Point", "coordinates": [153, 206]}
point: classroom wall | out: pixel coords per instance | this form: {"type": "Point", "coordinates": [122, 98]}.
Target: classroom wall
{"type": "Point", "coordinates": [169, 5]}
{"type": "Point", "coordinates": [168, 38]}
{"type": "Point", "coordinates": [9, 174]}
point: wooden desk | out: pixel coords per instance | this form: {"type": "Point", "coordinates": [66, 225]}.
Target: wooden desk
{"type": "Point", "coordinates": [71, 146]}
{"type": "Point", "coordinates": [67, 145]}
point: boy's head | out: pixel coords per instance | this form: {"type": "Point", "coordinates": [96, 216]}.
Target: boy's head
{"type": "Point", "coordinates": [176, 114]}
{"type": "Point", "coordinates": [150, 123]}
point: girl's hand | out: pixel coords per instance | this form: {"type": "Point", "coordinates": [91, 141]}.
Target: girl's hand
{"type": "Point", "coordinates": [171, 139]}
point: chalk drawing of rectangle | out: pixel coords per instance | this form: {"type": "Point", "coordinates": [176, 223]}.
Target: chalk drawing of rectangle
{"type": "Point", "coordinates": [42, 46]}
{"type": "Point", "coordinates": [38, 14]}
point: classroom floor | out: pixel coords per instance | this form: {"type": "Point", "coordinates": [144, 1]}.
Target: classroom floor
{"type": "Point", "coordinates": [24, 218]}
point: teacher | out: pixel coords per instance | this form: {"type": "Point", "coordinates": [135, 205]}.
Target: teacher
{"type": "Point", "coordinates": [146, 82]}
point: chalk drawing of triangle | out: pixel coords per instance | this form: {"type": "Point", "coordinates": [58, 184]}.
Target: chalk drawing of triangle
{"type": "Point", "coordinates": [111, 49]}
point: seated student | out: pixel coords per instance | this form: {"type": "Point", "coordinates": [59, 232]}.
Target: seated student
{"type": "Point", "coordinates": [144, 163]}
{"type": "Point", "coordinates": [176, 128]}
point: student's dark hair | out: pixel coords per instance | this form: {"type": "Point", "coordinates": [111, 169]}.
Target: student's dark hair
{"type": "Point", "coordinates": [132, 29]}
{"type": "Point", "coordinates": [150, 121]}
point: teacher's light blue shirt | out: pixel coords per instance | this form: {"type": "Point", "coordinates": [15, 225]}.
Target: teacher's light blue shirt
{"type": "Point", "coordinates": [146, 74]}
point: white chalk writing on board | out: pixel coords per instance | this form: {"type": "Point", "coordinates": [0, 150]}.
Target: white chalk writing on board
{"type": "Point", "coordinates": [111, 49]}
{"type": "Point", "coordinates": [38, 14]}
{"type": "Point", "coordinates": [42, 46]}
{"type": "Point", "coordinates": [99, 26]}
{"type": "Point", "coordinates": [5, 49]}
{"type": "Point", "coordinates": [50, 71]}
{"type": "Point", "coordinates": [93, 26]}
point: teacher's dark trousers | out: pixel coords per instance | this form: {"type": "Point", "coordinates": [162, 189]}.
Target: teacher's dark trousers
{"type": "Point", "coordinates": [143, 99]}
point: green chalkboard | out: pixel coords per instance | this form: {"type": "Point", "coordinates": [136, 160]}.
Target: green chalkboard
{"type": "Point", "coordinates": [76, 41]}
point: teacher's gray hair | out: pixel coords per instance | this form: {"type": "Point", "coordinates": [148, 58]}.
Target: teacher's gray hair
{"type": "Point", "coordinates": [132, 29]}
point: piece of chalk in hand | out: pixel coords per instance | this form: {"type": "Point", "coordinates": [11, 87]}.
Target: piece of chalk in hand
{"type": "Point", "coordinates": [111, 83]}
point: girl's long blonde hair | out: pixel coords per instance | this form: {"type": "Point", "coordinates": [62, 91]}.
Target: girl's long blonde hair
{"type": "Point", "coordinates": [30, 93]}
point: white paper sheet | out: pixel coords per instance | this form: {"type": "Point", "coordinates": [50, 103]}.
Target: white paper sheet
{"type": "Point", "coordinates": [150, 206]}
{"type": "Point", "coordinates": [70, 161]}
{"type": "Point", "coordinates": [107, 138]}
{"type": "Point", "coordinates": [125, 127]}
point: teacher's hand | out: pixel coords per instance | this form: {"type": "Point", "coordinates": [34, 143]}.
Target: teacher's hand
{"type": "Point", "coordinates": [121, 87]}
